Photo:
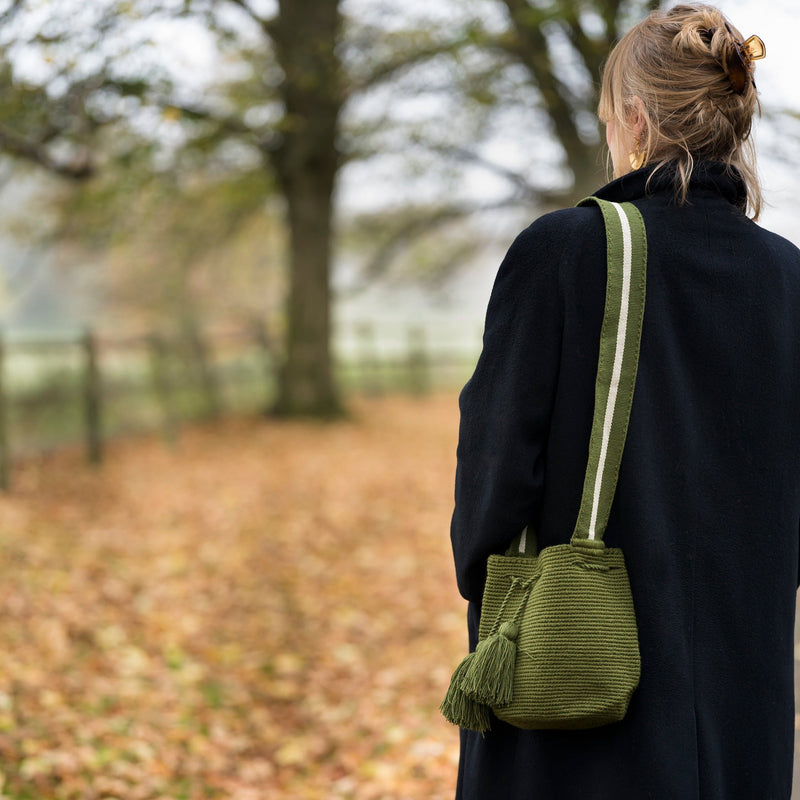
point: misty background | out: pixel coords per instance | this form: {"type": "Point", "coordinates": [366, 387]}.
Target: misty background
{"type": "Point", "coordinates": [60, 274]}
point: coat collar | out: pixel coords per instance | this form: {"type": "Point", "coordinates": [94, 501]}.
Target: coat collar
{"type": "Point", "coordinates": [707, 176]}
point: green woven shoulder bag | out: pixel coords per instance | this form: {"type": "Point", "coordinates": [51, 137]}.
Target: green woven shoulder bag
{"type": "Point", "coordinates": [558, 645]}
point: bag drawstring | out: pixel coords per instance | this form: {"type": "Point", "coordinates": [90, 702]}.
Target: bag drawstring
{"type": "Point", "coordinates": [486, 676]}
{"type": "Point", "coordinates": [490, 677]}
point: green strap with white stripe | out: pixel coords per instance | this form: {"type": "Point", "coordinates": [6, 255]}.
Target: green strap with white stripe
{"type": "Point", "coordinates": [616, 372]}
{"type": "Point", "coordinates": [617, 364]}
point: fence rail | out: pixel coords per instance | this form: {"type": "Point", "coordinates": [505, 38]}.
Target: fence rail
{"type": "Point", "coordinates": [58, 389]}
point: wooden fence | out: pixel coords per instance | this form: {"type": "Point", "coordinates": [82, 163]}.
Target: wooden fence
{"type": "Point", "coordinates": [59, 389]}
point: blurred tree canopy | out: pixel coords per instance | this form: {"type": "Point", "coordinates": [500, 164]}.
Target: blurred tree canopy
{"type": "Point", "coordinates": [404, 97]}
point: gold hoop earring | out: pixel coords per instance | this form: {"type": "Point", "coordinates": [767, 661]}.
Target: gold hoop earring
{"type": "Point", "coordinates": [637, 157]}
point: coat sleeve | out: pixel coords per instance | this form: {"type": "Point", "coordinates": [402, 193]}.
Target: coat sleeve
{"type": "Point", "coordinates": [506, 407]}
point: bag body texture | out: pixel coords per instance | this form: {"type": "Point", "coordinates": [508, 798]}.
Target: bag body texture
{"type": "Point", "coordinates": [582, 635]}
{"type": "Point", "coordinates": [707, 503]}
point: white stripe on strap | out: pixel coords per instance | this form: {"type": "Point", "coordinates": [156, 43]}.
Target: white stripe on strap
{"type": "Point", "coordinates": [627, 248]}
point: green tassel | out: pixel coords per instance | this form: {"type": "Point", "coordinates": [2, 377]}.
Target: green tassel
{"type": "Point", "coordinates": [489, 678]}
{"type": "Point", "coordinates": [461, 709]}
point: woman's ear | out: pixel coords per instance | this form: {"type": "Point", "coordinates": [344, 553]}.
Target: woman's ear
{"type": "Point", "coordinates": [638, 119]}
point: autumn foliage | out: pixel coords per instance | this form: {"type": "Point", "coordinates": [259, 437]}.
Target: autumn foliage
{"type": "Point", "coordinates": [266, 610]}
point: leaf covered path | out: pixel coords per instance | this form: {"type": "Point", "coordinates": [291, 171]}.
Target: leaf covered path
{"type": "Point", "coordinates": [265, 610]}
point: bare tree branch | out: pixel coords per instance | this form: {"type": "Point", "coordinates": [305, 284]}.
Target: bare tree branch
{"type": "Point", "coordinates": [525, 191]}
{"type": "Point", "coordinates": [17, 145]}
{"type": "Point", "coordinates": [609, 11]}
{"type": "Point", "coordinates": [533, 50]}
{"type": "Point", "coordinates": [591, 51]}
{"type": "Point", "coordinates": [426, 221]}
{"type": "Point", "coordinates": [265, 139]}
{"type": "Point", "coordinates": [400, 63]}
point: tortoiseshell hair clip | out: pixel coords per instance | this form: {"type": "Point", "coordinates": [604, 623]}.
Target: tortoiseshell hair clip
{"type": "Point", "coordinates": [740, 69]}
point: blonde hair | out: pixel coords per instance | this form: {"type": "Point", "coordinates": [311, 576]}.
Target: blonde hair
{"type": "Point", "coordinates": [675, 62]}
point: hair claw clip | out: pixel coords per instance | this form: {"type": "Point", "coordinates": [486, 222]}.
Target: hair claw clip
{"type": "Point", "coordinates": [754, 49]}
{"type": "Point", "coordinates": [740, 69]}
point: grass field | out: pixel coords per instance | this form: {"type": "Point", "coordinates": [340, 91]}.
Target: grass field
{"type": "Point", "coordinates": [264, 610]}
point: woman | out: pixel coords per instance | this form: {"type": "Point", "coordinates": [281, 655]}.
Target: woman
{"type": "Point", "coordinates": [707, 507]}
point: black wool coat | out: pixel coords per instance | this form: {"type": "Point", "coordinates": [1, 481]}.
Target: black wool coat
{"type": "Point", "coordinates": [707, 507]}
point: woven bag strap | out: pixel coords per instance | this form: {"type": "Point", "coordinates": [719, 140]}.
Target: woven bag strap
{"type": "Point", "coordinates": [616, 372]}
{"type": "Point", "coordinates": [617, 364]}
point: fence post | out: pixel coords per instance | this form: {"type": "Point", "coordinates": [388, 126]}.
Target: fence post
{"type": "Point", "coordinates": [5, 457]}
{"type": "Point", "coordinates": [93, 399]}
{"type": "Point", "coordinates": [418, 362]}
{"type": "Point", "coordinates": [369, 365]}
{"type": "Point", "coordinates": [161, 384]}
{"type": "Point", "coordinates": [207, 377]}
{"type": "Point", "coordinates": [267, 355]}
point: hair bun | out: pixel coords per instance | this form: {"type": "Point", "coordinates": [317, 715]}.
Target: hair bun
{"type": "Point", "coordinates": [708, 33]}
{"type": "Point", "coordinates": [702, 31]}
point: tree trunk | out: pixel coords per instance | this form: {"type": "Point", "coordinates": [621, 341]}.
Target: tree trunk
{"type": "Point", "coordinates": [306, 163]}
{"type": "Point", "coordinates": [307, 385]}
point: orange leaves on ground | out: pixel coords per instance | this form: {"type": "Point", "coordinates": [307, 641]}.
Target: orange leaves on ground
{"type": "Point", "coordinates": [267, 610]}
